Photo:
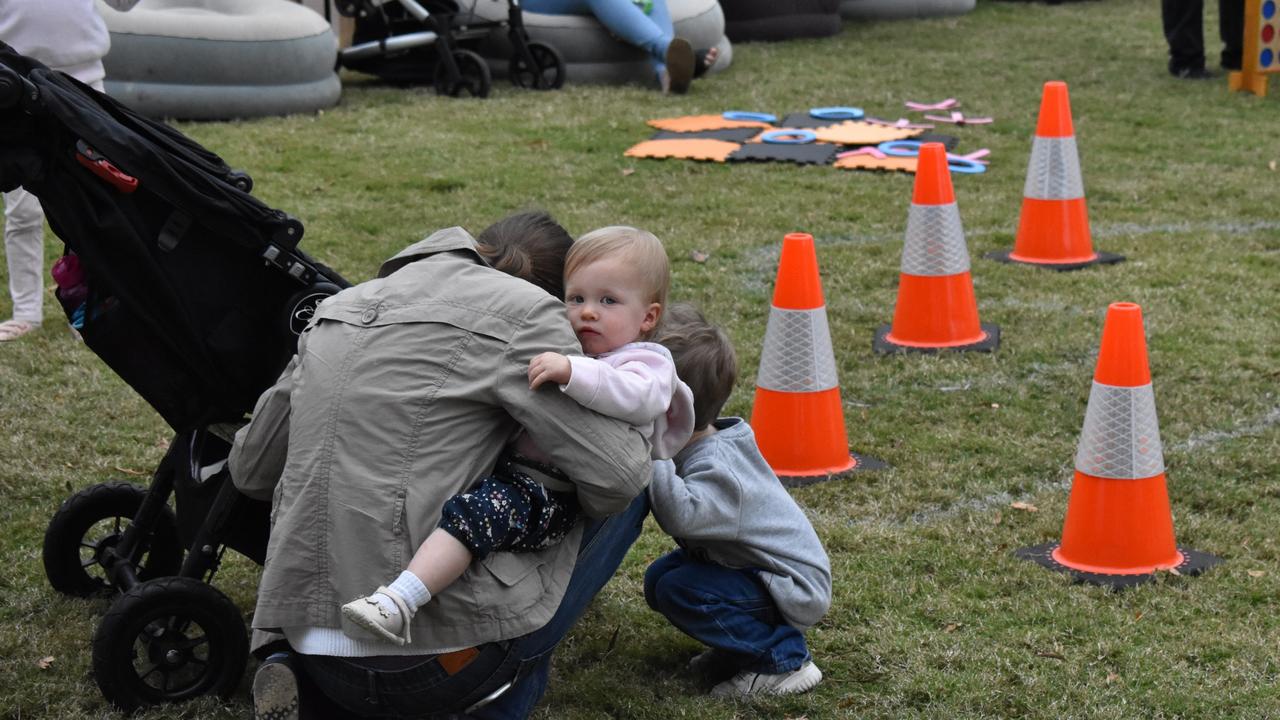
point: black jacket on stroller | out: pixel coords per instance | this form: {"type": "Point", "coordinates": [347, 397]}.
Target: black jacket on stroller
{"type": "Point", "coordinates": [193, 292]}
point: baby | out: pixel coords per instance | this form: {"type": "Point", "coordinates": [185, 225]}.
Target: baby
{"type": "Point", "coordinates": [616, 281]}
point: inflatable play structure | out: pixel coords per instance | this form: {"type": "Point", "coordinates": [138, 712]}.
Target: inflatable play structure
{"type": "Point", "coordinates": [902, 9]}
{"type": "Point", "coordinates": [220, 59]}
{"type": "Point", "coordinates": [591, 53]}
{"type": "Point", "coordinates": [770, 20]}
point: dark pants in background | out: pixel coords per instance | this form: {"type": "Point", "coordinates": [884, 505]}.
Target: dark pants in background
{"type": "Point", "coordinates": [1184, 30]}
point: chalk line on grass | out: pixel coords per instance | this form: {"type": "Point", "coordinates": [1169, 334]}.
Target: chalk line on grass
{"type": "Point", "coordinates": [937, 513]}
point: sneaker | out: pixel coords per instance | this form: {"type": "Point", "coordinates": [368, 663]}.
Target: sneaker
{"type": "Point", "coordinates": [275, 690]}
{"type": "Point", "coordinates": [1193, 73]}
{"type": "Point", "coordinates": [747, 683]}
{"type": "Point", "coordinates": [370, 615]}
{"type": "Point", "coordinates": [14, 329]}
{"type": "Point", "coordinates": [680, 64]}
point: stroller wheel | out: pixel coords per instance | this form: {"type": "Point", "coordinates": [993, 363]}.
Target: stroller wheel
{"type": "Point", "coordinates": [166, 641]}
{"type": "Point", "coordinates": [473, 76]}
{"type": "Point", "coordinates": [302, 306]}
{"type": "Point", "coordinates": [547, 75]}
{"type": "Point", "coordinates": [94, 520]}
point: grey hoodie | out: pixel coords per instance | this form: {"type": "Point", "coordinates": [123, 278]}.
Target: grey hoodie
{"type": "Point", "coordinates": [724, 505]}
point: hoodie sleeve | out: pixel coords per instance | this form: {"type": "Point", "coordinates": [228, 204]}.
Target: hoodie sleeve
{"type": "Point", "coordinates": [703, 505]}
{"type": "Point", "coordinates": [635, 387]}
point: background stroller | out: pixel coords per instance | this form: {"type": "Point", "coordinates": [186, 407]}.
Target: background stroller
{"type": "Point", "coordinates": [193, 292]}
{"type": "Point", "coordinates": [404, 41]}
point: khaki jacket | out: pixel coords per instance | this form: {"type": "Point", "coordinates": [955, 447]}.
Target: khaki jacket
{"type": "Point", "coordinates": [402, 394]}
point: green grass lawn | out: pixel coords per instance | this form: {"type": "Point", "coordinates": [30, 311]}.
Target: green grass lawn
{"type": "Point", "coordinates": [932, 616]}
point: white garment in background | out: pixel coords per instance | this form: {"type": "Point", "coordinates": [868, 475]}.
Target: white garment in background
{"type": "Point", "coordinates": [66, 35]}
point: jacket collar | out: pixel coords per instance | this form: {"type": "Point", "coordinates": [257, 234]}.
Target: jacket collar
{"type": "Point", "coordinates": [446, 240]}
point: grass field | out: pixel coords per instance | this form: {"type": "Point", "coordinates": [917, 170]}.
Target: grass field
{"type": "Point", "coordinates": [932, 616]}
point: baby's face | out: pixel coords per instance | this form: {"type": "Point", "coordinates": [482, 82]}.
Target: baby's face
{"type": "Point", "coordinates": [607, 307]}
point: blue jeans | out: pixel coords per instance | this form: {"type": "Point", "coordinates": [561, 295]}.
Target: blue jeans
{"type": "Point", "coordinates": [651, 33]}
{"type": "Point", "coordinates": [728, 609]}
{"type": "Point", "coordinates": [409, 687]}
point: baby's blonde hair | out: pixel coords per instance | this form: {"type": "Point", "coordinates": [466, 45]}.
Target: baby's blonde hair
{"type": "Point", "coordinates": [639, 247]}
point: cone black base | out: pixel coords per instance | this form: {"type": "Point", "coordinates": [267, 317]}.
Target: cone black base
{"type": "Point", "coordinates": [884, 346]}
{"type": "Point", "coordinates": [1103, 258]}
{"type": "Point", "coordinates": [1193, 563]}
{"type": "Point", "coordinates": [862, 463]}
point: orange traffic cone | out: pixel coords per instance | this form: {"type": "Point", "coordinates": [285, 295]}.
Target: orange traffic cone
{"type": "Point", "coordinates": [1119, 530]}
{"type": "Point", "coordinates": [797, 417]}
{"type": "Point", "coordinates": [936, 309]}
{"type": "Point", "coordinates": [1053, 231]}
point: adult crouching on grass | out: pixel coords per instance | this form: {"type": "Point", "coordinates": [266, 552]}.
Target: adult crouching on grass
{"type": "Point", "coordinates": [402, 394]}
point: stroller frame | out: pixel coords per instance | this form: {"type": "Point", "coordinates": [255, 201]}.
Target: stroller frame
{"type": "Point", "coordinates": [169, 635]}
{"type": "Point", "coordinates": [533, 64]}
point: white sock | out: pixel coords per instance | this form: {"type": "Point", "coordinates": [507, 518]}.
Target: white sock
{"type": "Point", "coordinates": [411, 589]}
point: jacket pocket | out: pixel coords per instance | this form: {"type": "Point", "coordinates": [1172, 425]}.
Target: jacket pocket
{"type": "Point", "coordinates": [511, 568]}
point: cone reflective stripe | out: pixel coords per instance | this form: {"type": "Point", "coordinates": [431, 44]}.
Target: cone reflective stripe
{"type": "Point", "coordinates": [798, 345]}
{"type": "Point", "coordinates": [1053, 230]}
{"type": "Point", "coordinates": [1121, 436]}
{"type": "Point", "coordinates": [797, 417]}
{"type": "Point", "coordinates": [1119, 528]}
{"type": "Point", "coordinates": [936, 308]}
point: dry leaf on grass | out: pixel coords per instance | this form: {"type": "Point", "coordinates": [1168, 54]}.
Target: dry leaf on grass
{"type": "Point", "coordinates": [996, 520]}
{"type": "Point", "coordinates": [1112, 677]}
{"type": "Point", "coordinates": [1019, 505]}
{"type": "Point", "coordinates": [628, 171]}
{"type": "Point", "coordinates": [1257, 573]}
{"type": "Point", "coordinates": [44, 662]}
{"type": "Point", "coordinates": [127, 471]}
{"type": "Point", "coordinates": [1174, 571]}
{"type": "Point", "coordinates": [952, 627]}
{"type": "Point", "coordinates": [1049, 654]}
{"type": "Point", "coordinates": [698, 256]}
{"type": "Point", "coordinates": [1272, 165]}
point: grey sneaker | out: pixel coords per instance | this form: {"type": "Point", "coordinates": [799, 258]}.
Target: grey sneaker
{"type": "Point", "coordinates": [275, 690]}
{"type": "Point", "coordinates": [370, 616]}
{"type": "Point", "coordinates": [748, 683]}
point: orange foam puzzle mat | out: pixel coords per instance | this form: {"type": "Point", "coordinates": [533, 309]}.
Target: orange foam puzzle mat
{"type": "Point", "coordinates": [687, 149]}
{"type": "Point", "coordinates": [885, 164]}
{"type": "Point", "coordinates": [696, 123]}
{"type": "Point", "coordinates": [858, 132]}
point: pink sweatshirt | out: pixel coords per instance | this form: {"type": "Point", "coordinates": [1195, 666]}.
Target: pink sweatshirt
{"type": "Point", "coordinates": [636, 383]}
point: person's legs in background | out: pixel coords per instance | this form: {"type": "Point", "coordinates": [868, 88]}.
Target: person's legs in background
{"type": "Point", "coordinates": [622, 17]}
{"type": "Point", "coordinates": [604, 545]}
{"type": "Point", "coordinates": [1231, 30]}
{"type": "Point", "coordinates": [1184, 31]}
{"type": "Point", "coordinates": [24, 253]}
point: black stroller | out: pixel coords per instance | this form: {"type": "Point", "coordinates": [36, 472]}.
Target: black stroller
{"type": "Point", "coordinates": [407, 42]}
{"type": "Point", "coordinates": [192, 291]}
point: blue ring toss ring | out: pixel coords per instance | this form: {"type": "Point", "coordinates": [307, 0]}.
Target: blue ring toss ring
{"type": "Point", "coordinates": [911, 148]}
{"type": "Point", "coordinates": [965, 166]}
{"type": "Point", "coordinates": [900, 148]}
{"type": "Point", "coordinates": [788, 137]}
{"type": "Point", "coordinates": [749, 116]}
{"type": "Point", "coordinates": [837, 113]}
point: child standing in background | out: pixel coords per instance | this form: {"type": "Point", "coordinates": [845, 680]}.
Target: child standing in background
{"type": "Point", "coordinates": [66, 35]}
{"type": "Point", "coordinates": [750, 574]}
{"type": "Point", "coordinates": [616, 281]}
